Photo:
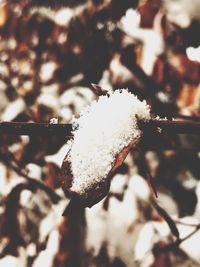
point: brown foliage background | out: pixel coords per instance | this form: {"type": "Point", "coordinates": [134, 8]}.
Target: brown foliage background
{"type": "Point", "coordinates": [50, 53]}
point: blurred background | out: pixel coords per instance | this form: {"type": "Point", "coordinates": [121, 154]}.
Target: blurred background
{"type": "Point", "coordinates": [50, 53]}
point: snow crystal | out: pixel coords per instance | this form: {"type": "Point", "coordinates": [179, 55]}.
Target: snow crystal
{"type": "Point", "coordinates": [100, 133]}
{"type": "Point", "coordinates": [53, 121]}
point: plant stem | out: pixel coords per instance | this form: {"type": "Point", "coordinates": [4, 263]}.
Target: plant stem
{"type": "Point", "coordinates": [172, 246]}
{"type": "Point", "coordinates": [29, 128]}
{"type": "Point", "coordinates": [174, 126]}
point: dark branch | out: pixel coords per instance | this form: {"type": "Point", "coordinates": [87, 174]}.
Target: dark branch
{"type": "Point", "coordinates": [27, 128]}
{"type": "Point", "coordinates": [174, 126]}
{"type": "Point", "coordinates": [185, 117]}
{"type": "Point", "coordinates": [174, 245]}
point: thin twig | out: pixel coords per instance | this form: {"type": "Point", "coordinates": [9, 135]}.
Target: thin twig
{"type": "Point", "coordinates": [174, 126]}
{"type": "Point", "coordinates": [187, 224]}
{"type": "Point", "coordinates": [176, 243]}
{"type": "Point", "coordinates": [186, 117]}
{"type": "Point", "coordinates": [27, 128]}
{"type": "Point", "coordinates": [147, 172]}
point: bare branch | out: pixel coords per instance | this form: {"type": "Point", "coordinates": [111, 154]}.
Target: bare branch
{"type": "Point", "coordinates": [174, 126]}
{"type": "Point", "coordinates": [168, 219]}
{"type": "Point", "coordinates": [171, 246]}
{"type": "Point", "coordinates": [29, 128]}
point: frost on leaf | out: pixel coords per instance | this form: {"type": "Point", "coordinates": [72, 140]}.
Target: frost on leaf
{"type": "Point", "coordinates": [102, 138]}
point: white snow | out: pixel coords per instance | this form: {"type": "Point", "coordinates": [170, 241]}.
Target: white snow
{"type": "Point", "coordinates": [191, 245]}
{"type": "Point", "coordinates": [8, 182]}
{"type": "Point", "coordinates": [49, 100]}
{"type": "Point", "coordinates": [34, 170]}
{"type": "Point", "coordinates": [152, 39]}
{"type": "Point", "coordinates": [197, 209]}
{"type": "Point", "coordinates": [118, 183]}
{"type": "Point", "coordinates": [46, 257]}
{"type": "Point", "coordinates": [96, 228]}
{"type": "Point", "coordinates": [13, 110]}
{"type": "Point", "coordinates": [77, 97]}
{"type": "Point", "coordinates": [131, 18]}
{"type": "Point", "coordinates": [66, 114]}
{"type": "Point", "coordinates": [144, 243]}
{"type": "Point", "coordinates": [193, 53]}
{"type": "Point", "coordinates": [57, 158]}
{"type": "Point", "coordinates": [105, 81]}
{"type": "Point", "coordinates": [53, 121]}
{"type": "Point", "coordinates": [63, 16]}
{"type": "Point", "coordinates": [119, 226]}
{"type": "Point", "coordinates": [139, 187]}
{"type": "Point", "coordinates": [12, 261]}
{"type": "Point", "coordinates": [100, 133]}
{"type": "Point", "coordinates": [4, 70]}
{"type": "Point", "coordinates": [119, 70]}
{"type": "Point", "coordinates": [47, 71]}
{"type": "Point", "coordinates": [182, 12]}
{"type": "Point", "coordinates": [52, 220]}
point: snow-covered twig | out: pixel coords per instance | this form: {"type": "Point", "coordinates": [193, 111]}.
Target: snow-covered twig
{"type": "Point", "coordinates": [26, 128]}
{"type": "Point", "coordinates": [29, 128]}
